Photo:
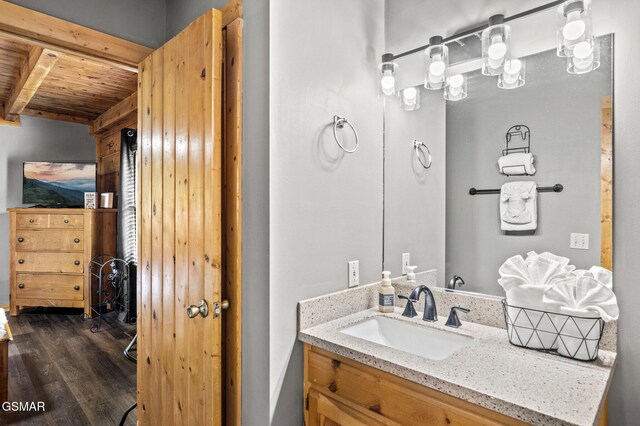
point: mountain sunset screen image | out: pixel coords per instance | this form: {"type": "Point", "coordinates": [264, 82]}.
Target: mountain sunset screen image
{"type": "Point", "coordinates": [58, 183]}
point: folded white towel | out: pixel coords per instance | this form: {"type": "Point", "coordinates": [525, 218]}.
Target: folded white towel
{"type": "Point", "coordinates": [525, 283]}
{"type": "Point", "coordinates": [585, 297]}
{"type": "Point", "coordinates": [517, 164]}
{"type": "Point", "coordinates": [518, 206]}
{"type": "Point", "coordinates": [602, 275]}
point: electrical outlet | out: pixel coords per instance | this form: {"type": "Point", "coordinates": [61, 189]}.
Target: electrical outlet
{"type": "Point", "coordinates": [579, 241]}
{"type": "Point", "coordinates": [406, 261]}
{"type": "Point", "coordinates": [354, 273]}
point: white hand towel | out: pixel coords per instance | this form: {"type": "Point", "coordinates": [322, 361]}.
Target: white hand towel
{"type": "Point", "coordinates": [517, 164]}
{"type": "Point", "coordinates": [525, 282]}
{"type": "Point", "coordinates": [518, 206]}
{"type": "Point", "coordinates": [602, 275]}
{"type": "Point", "coordinates": [585, 297]}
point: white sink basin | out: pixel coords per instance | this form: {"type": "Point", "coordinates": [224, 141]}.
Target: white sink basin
{"type": "Point", "coordinates": [418, 340]}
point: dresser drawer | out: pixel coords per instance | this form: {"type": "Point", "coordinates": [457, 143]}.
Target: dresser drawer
{"type": "Point", "coordinates": [66, 221]}
{"type": "Point", "coordinates": [28, 220]}
{"type": "Point", "coordinates": [50, 262]}
{"type": "Point", "coordinates": [49, 240]}
{"type": "Point", "coordinates": [59, 287]}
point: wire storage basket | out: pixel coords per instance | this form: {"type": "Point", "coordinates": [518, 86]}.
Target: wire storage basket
{"type": "Point", "coordinates": [569, 336]}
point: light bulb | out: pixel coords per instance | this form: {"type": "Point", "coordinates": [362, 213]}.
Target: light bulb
{"type": "Point", "coordinates": [410, 94]}
{"type": "Point", "coordinates": [582, 50]}
{"type": "Point", "coordinates": [512, 70]}
{"type": "Point", "coordinates": [388, 83]}
{"type": "Point", "coordinates": [498, 48]}
{"type": "Point", "coordinates": [437, 67]}
{"type": "Point", "coordinates": [575, 26]}
{"type": "Point", "coordinates": [455, 84]}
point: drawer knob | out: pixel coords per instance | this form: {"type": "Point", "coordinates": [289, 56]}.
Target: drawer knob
{"type": "Point", "coordinates": [66, 221]}
{"type": "Point", "coordinates": [32, 220]}
{"type": "Point", "coordinates": [21, 261]}
{"type": "Point", "coordinates": [76, 287]}
{"type": "Point", "coordinates": [77, 240]}
{"type": "Point", "coordinates": [20, 285]}
{"type": "Point", "coordinates": [77, 262]}
{"type": "Point", "coordinates": [20, 240]}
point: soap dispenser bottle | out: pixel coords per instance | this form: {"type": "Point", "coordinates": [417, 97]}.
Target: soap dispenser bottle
{"type": "Point", "coordinates": [386, 294]}
{"type": "Point", "coordinates": [411, 276]}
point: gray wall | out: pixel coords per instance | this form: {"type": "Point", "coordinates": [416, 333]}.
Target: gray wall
{"type": "Point", "coordinates": [624, 407]}
{"type": "Point", "coordinates": [255, 188]}
{"type": "Point", "coordinates": [563, 112]}
{"type": "Point", "coordinates": [414, 204]}
{"type": "Point", "coordinates": [326, 206]}
{"type": "Point", "coordinates": [36, 140]}
{"type": "Point", "coordinates": [140, 21]}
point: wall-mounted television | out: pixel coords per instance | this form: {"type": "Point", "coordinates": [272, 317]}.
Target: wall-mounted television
{"type": "Point", "coordinates": [57, 184]}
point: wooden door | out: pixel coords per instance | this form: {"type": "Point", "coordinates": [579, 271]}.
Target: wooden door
{"type": "Point", "coordinates": [179, 228]}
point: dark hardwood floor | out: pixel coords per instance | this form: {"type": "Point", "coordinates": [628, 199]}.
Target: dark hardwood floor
{"type": "Point", "coordinates": [82, 377]}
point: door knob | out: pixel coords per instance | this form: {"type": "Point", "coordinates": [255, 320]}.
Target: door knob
{"type": "Point", "coordinates": [202, 309]}
{"type": "Point", "coordinates": [218, 306]}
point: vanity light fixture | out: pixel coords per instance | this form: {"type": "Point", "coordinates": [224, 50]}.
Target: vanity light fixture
{"type": "Point", "coordinates": [457, 88]}
{"type": "Point", "coordinates": [411, 98]}
{"type": "Point", "coordinates": [574, 27]}
{"type": "Point", "coordinates": [388, 82]}
{"type": "Point", "coordinates": [436, 64]}
{"type": "Point", "coordinates": [512, 75]}
{"type": "Point", "coordinates": [495, 46]}
{"type": "Point", "coordinates": [586, 57]}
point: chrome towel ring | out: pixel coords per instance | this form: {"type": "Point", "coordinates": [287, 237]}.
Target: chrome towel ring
{"type": "Point", "coordinates": [338, 123]}
{"type": "Point", "coordinates": [423, 157]}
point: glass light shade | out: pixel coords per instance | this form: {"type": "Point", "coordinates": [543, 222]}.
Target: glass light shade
{"type": "Point", "coordinates": [388, 85]}
{"type": "Point", "coordinates": [574, 26]}
{"type": "Point", "coordinates": [436, 64]}
{"type": "Point", "coordinates": [496, 48]}
{"type": "Point", "coordinates": [456, 89]}
{"type": "Point", "coordinates": [411, 98]}
{"type": "Point", "coordinates": [513, 74]}
{"type": "Point", "coordinates": [586, 57]}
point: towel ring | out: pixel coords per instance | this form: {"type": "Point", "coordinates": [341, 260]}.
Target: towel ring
{"type": "Point", "coordinates": [338, 123]}
{"type": "Point", "coordinates": [419, 148]}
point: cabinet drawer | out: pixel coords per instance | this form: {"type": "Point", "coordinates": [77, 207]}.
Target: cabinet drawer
{"type": "Point", "coordinates": [50, 262]}
{"type": "Point", "coordinates": [59, 287]}
{"type": "Point", "coordinates": [66, 221]}
{"type": "Point", "coordinates": [49, 240]}
{"type": "Point", "coordinates": [28, 220]}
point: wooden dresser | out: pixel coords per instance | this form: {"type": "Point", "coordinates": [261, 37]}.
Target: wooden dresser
{"type": "Point", "coordinates": [50, 250]}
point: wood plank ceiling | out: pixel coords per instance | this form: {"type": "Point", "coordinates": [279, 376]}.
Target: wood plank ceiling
{"type": "Point", "coordinates": [52, 78]}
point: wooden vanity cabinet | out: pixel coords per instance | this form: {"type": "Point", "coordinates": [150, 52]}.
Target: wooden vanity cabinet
{"type": "Point", "coordinates": [343, 392]}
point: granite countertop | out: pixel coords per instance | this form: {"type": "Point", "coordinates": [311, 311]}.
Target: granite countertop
{"type": "Point", "coordinates": [532, 386]}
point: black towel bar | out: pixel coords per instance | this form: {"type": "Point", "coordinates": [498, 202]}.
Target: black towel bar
{"type": "Point", "coordinates": [555, 188]}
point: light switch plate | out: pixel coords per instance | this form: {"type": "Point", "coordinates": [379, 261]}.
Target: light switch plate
{"type": "Point", "coordinates": [406, 261]}
{"type": "Point", "coordinates": [354, 273]}
{"type": "Point", "coordinates": [579, 241]}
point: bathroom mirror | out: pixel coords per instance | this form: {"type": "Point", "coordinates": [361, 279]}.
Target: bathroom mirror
{"type": "Point", "coordinates": [430, 213]}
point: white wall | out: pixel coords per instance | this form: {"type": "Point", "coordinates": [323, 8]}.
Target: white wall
{"type": "Point", "coordinates": [326, 206]}
{"type": "Point", "coordinates": [36, 140]}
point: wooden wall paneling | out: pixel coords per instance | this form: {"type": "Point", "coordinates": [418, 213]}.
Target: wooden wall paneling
{"type": "Point", "coordinates": [116, 115]}
{"type": "Point", "coordinates": [33, 71]}
{"type": "Point", "coordinates": [20, 24]}
{"type": "Point", "coordinates": [232, 219]}
{"type": "Point", "coordinates": [71, 118]}
{"type": "Point", "coordinates": [168, 223]}
{"type": "Point", "coordinates": [157, 259]}
{"type": "Point", "coordinates": [606, 176]}
{"type": "Point", "coordinates": [145, 390]}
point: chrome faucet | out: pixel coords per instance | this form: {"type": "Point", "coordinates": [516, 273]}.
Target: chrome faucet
{"type": "Point", "coordinates": [456, 280]}
{"type": "Point", "coordinates": [430, 311]}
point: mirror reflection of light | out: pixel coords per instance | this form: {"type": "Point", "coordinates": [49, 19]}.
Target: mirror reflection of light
{"type": "Point", "coordinates": [575, 26]}
{"type": "Point", "coordinates": [388, 83]}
